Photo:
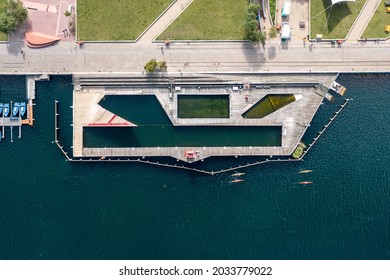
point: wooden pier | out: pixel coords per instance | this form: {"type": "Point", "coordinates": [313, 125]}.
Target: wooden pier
{"type": "Point", "coordinates": [293, 119]}
{"type": "Point", "coordinates": [176, 166]}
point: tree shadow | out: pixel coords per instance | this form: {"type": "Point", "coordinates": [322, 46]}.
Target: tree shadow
{"type": "Point", "coordinates": [16, 38]}
{"type": "Point", "coordinates": [335, 14]}
{"type": "Point", "coordinates": [271, 53]}
{"type": "Point", "coordinates": [253, 53]}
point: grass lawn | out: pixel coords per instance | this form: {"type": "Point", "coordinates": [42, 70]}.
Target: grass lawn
{"type": "Point", "coordinates": [3, 37]}
{"type": "Point", "coordinates": [268, 105]}
{"type": "Point", "coordinates": [203, 106]}
{"type": "Point", "coordinates": [209, 20]}
{"type": "Point", "coordinates": [117, 19]}
{"type": "Point", "coordinates": [340, 21]}
{"type": "Point", "coordinates": [376, 27]}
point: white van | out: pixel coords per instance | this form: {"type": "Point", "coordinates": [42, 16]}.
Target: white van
{"type": "Point", "coordinates": [285, 31]}
{"type": "Point", "coordinates": [286, 9]}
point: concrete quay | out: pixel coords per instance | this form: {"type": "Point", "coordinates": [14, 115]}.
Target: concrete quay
{"type": "Point", "coordinates": [292, 119]}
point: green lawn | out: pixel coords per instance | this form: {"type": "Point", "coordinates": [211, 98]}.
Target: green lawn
{"type": "Point", "coordinates": [117, 19]}
{"type": "Point", "coordinates": [3, 37]}
{"type": "Point", "coordinates": [376, 27]}
{"type": "Point", "coordinates": [203, 106]}
{"type": "Point", "coordinates": [209, 20]}
{"type": "Point", "coordinates": [268, 105]}
{"type": "Point", "coordinates": [272, 9]}
{"type": "Point", "coordinates": [340, 21]}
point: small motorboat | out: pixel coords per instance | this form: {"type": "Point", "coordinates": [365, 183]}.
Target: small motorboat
{"type": "Point", "coordinates": [305, 171]}
{"type": "Point", "coordinates": [15, 109]}
{"type": "Point", "coordinates": [237, 174]}
{"type": "Point", "coordinates": [1, 109]}
{"type": "Point", "coordinates": [237, 181]}
{"type": "Point", "coordinates": [22, 108]}
{"type": "Point", "coordinates": [305, 183]}
{"type": "Point", "coordinates": [5, 109]}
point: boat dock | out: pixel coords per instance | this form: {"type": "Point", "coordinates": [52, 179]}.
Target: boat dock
{"type": "Point", "coordinates": [293, 119]}
{"type": "Point", "coordinates": [18, 120]}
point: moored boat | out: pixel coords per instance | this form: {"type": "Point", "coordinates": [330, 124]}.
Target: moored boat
{"type": "Point", "coordinates": [305, 183]}
{"type": "Point", "coordinates": [238, 174]}
{"type": "Point", "coordinates": [15, 109]}
{"type": "Point", "coordinates": [22, 108]}
{"type": "Point", "coordinates": [5, 109]}
{"type": "Point", "coordinates": [237, 181]}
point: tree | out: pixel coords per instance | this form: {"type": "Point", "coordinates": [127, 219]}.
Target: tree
{"type": "Point", "coordinates": [251, 27]}
{"type": "Point", "coordinates": [262, 37]}
{"type": "Point", "coordinates": [151, 65]}
{"type": "Point", "coordinates": [252, 32]}
{"type": "Point", "coordinates": [162, 65]}
{"type": "Point", "coordinates": [14, 14]}
{"type": "Point", "coordinates": [272, 32]}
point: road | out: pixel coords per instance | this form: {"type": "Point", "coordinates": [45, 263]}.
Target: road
{"type": "Point", "coordinates": [68, 57]}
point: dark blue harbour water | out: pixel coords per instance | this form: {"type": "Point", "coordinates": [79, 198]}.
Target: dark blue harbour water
{"type": "Point", "coordinates": [53, 209]}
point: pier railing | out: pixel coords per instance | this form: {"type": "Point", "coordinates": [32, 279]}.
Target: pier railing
{"type": "Point", "coordinates": [56, 129]}
{"type": "Point", "coordinates": [103, 159]}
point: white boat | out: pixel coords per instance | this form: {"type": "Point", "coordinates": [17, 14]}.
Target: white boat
{"type": "Point", "coordinates": [22, 108]}
{"type": "Point", "coordinates": [238, 174]}
{"type": "Point", "coordinates": [5, 109]}
{"type": "Point", "coordinates": [305, 171]}
{"type": "Point", "coordinates": [236, 181]}
{"type": "Point", "coordinates": [15, 109]}
{"type": "Point", "coordinates": [305, 183]}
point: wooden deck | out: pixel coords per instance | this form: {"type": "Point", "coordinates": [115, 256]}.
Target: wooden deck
{"type": "Point", "coordinates": [294, 118]}
{"type": "Point", "coordinates": [179, 152]}
{"type": "Point", "coordinates": [87, 112]}
{"type": "Point", "coordinates": [30, 114]}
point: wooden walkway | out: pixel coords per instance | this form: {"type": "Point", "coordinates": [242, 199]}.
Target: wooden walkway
{"type": "Point", "coordinates": [293, 118]}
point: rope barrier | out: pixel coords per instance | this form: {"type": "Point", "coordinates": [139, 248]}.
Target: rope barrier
{"type": "Point", "coordinates": [192, 168]}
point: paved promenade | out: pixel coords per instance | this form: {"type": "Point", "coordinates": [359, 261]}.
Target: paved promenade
{"type": "Point", "coordinates": [68, 57]}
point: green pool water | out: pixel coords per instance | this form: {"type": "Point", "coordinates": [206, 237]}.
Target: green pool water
{"type": "Point", "coordinates": [267, 105]}
{"type": "Point", "coordinates": [203, 106]}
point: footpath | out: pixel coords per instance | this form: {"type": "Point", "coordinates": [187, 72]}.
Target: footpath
{"type": "Point", "coordinates": [363, 19]}
{"type": "Point", "coordinates": [158, 26]}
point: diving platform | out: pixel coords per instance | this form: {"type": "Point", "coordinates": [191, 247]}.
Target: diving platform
{"type": "Point", "coordinates": [293, 119]}
{"type": "Point", "coordinates": [87, 112]}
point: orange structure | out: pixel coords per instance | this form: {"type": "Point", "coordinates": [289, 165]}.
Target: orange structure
{"type": "Point", "coordinates": [40, 40]}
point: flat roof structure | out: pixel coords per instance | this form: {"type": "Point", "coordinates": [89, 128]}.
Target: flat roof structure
{"type": "Point", "coordinates": [293, 119]}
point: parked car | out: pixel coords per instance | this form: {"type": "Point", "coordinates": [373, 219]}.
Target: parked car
{"type": "Point", "coordinates": [387, 3]}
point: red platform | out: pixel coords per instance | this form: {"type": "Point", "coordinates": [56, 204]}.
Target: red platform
{"type": "Point", "coordinates": [40, 40]}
